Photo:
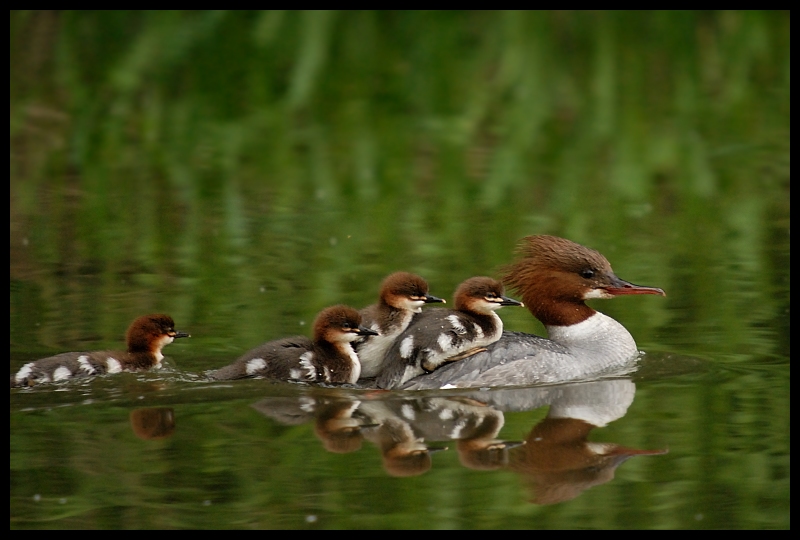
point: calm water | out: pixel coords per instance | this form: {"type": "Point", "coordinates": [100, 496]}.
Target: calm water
{"type": "Point", "coordinates": [241, 171]}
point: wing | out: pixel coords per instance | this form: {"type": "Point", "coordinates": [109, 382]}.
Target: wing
{"type": "Point", "coordinates": [271, 359]}
{"type": "Point", "coordinates": [497, 366]}
{"type": "Point", "coordinates": [63, 366]}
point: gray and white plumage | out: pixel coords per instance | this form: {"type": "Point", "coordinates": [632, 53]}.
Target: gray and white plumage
{"type": "Point", "coordinates": [438, 336]}
{"type": "Point", "coordinates": [327, 358]}
{"type": "Point", "coordinates": [555, 277]}
{"type": "Point", "coordinates": [402, 295]}
{"type": "Point", "coordinates": [146, 337]}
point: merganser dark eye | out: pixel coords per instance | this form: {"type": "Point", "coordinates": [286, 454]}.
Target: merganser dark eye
{"type": "Point", "coordinates": [582, 343]}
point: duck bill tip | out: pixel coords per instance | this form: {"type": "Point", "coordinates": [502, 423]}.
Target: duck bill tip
{"type": "Point", "coordinates": [364, 331]}
{"type": "Point", "coordinates": [635, 289]}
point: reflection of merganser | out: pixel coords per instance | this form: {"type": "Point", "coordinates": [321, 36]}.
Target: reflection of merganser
{"type": "Point", "coordinates": [554, 276]}
{"type": "Point", "coordinates": [402, 295]}
{"type": "Point", "coordinates": [438, 336]}
{"type": "Point", "coordinates": [328, 358]}
{"type": "Point", "coordinates": [558, 463]}
{"type": "Point", "coordinates": [146, 337]}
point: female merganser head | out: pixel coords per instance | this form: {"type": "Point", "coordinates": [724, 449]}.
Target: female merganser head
{"type": "Point", "coordinates": [402, 295]}
{"type": "Point", "coordinates": [554, 276]}
{"type": "Point", "coordinates": [328, 358]}
{"type": "Point", "coordinates": [146, 337]}
{"type": "Point", "coordinates": [438, 336]}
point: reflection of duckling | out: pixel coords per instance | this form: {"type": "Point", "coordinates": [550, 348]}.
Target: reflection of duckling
{"type": "Point", "coordinates": [479, 448]}
{"type": "Point", "coordinates": [289, 411]}
{"type": "Point", "coordinates": [559, 463]}
{"type": "Point", "coordinates": [404, 452]}
{"type": "Point", "coordinates": [337, 428]}
{"type": "Point", "coordinates": [472, 424]}
{"type": "Point", "coordinates": [336, 423]}
{"type": "Point", "coordinates": [485, 454]}
{"type": "Point", "coordinates": [153, 423]}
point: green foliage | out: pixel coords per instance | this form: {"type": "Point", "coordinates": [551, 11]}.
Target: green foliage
{"type": "Point", "coordinates": [241, 170]}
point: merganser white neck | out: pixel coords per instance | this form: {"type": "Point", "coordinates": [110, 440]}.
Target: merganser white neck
{"type": "Point", "coordinates": [597, 346]}
{"type": "Point", "coordinates": [598, 336]}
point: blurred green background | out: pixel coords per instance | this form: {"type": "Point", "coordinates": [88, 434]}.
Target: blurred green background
{"type": "Point", "coordinates": [241, 170]}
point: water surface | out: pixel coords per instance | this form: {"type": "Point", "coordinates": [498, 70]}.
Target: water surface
{"type": "Point", "coordinates": [241, 171]}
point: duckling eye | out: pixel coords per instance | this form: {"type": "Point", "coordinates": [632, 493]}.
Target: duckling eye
{"type": "Point", "coordinates": [588, 273]}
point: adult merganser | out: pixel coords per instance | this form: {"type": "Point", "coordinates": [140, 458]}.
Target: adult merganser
{"type": "Point", "coordinates": [146, 337]}
{"type": "Point", "coordinates": [438, 336]}
{"type": "Point", "coordinates": [554, 276]}
{"type": "Point", "coordinates": [328, 358]}
{"type": "Point", "coordinates": [402, 295]}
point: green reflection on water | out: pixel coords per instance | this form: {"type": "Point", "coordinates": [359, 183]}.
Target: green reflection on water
{"type": "Point", "coordinates": [242, 170]}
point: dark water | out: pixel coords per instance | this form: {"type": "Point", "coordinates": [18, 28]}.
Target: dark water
{"type": "Point", "coordinates": [241, 171]}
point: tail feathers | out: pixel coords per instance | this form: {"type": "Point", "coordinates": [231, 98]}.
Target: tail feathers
{"type": "Point", "coordinates": [240, 369]}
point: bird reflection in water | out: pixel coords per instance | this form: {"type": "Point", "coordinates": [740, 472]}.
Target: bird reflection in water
{"type": "Point", "coordinates": [152, 424]}
{"type": "Point", "coordinates": [556, 461]}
